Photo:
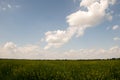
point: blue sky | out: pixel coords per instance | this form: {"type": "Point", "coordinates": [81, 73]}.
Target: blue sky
{"type": "Point", "coordinates": [33, 18]}
{"type": "Point", "coordinates": [26, 22]}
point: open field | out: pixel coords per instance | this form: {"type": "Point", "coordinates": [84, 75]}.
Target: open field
{"type": "Point", "coordinates": [59, 70]}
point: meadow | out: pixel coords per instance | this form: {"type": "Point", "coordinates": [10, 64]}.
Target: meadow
{"type": "Point", "coordinates": [59, 69]}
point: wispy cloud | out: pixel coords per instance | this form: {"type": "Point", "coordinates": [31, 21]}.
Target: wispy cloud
{"type": "Point", "coordinates": [4, 5]}
{"type": "Point", "coordinates": [9, 6]}
{"type": "Point", "coordinates": [116, 38]}
{"type": "Point", "coordinates": [11, 50]}
{"type": "Point", "coordinates": [115, 27]}
{"type": "Point", "coordinates": [79, 21]}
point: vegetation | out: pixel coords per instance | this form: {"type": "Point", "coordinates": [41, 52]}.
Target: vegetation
{"type": "Point", "coordinates": [59, 69]}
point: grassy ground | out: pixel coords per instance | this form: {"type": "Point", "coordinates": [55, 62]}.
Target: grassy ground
{"type": "Point", "coordinates": [59, 70]}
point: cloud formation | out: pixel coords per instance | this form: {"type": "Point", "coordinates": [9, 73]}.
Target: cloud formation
{"type": "Point", "coordinates": [59, 37]}
{"type": "Point", "coordinates": [9, 6]}
{"type": "Point", "coordinates": [4, 5]}
{"type": "Point", "coordinates": [115, 27]}
{"type": "Point", "coordinates": [113, 52]}
{"type": "Point", "coordinates": [116, 38]}
{"type": "Point", "coordinates": [79, 21]}
{"type": "Point", "coordinates": [11, 51]}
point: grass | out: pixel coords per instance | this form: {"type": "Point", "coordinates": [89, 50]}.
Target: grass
{"type": "Point", "coordinates": [59, 70]}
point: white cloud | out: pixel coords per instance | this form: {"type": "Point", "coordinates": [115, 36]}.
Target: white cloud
{"type": "Point", "coordinates": [4, 9]}
{"type": "Point", "coordinates": [96, 12]}
{"type": "Point", "coordinates": [9, 45]}
{"type": "Point", "coordinates": [11, 50]}
{"type": "Point", "coordinates": [94, 53]}
{"type": "Point", "coordinates": [59, 37]}
{"type": "Point", "coordinates": [115, 27]}
{"type": "Point", "coordinates": [79, 21]}
{"type": "Point", "coordinates": [116, 38]}
{"type": "Point", "coordinates": [5, 5]}
{"type": "Point", "coordinates": [9, 6]}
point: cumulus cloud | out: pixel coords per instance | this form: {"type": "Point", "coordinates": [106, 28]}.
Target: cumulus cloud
{"type": "Point", "coordinates": [79, 21]}
{"type": "Point", "coordinates": [115, 27]}
{"type": "Point", "coordinates": [11, 51]}
{"type": "Point", "coordinates": [59, 37]}
{"type": "Point", "coordinates": [116, 38]}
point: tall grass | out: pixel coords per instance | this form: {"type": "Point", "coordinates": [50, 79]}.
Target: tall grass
{"type": "Point", "coordinates": [59, 70]}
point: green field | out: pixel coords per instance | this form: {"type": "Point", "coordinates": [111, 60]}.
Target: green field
{"type": "Point", "coordinates": [59, 70]}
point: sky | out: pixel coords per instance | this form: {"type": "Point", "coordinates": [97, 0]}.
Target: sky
{"type": "Point", "coordinates": [59, 29]}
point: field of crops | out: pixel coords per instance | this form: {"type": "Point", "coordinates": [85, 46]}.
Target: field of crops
{"type": "Point", "coordinates": [59, 70]}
